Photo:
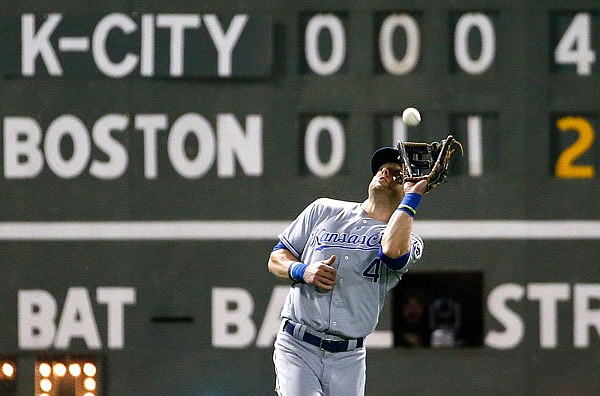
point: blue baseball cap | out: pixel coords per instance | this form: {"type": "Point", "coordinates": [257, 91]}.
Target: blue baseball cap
{"type": "Point", "coordinates": [383, 155]}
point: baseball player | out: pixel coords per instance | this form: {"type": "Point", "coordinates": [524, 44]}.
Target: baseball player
{"type": "Point", "coordinates": [342, 259]}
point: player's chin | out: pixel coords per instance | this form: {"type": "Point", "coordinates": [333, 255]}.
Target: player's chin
{"type": "Point", "coordinates": [379, 190]}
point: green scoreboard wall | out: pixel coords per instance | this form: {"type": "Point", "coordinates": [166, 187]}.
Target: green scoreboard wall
{"type": "Point", "coordinates": [152, 152]}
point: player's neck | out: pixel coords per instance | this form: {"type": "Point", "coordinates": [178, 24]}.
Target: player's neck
{"type": "Point", "coordinates": [378, 209]}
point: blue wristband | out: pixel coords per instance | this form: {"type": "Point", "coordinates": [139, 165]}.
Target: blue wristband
{"type": "Point", "coordinates": [409, 204]}
{"type": "Point", "coordinates": [296, 271]}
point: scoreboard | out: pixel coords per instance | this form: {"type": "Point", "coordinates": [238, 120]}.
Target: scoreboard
{"type": "Point", "coordinates": [253, 104]}
{"type": "Point", "coordinates": [152, 151]}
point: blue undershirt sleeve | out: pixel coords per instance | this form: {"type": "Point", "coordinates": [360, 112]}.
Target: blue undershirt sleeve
{"type": "Point", "coordinates": [394, 264]}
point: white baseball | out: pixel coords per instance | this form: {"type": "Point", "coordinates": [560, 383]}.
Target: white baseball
{"type": "Point", "coordinates": [411, 117]}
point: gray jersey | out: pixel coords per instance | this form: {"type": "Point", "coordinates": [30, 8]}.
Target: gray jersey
{"type": "Point", "coordinates": [331, 227]}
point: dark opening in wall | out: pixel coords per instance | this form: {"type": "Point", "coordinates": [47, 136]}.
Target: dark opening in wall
{"type": "Point", "coordinates": [439, 310]}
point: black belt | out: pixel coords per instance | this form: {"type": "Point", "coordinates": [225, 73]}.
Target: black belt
{"type": "Point", "coordinates": [325, 344]}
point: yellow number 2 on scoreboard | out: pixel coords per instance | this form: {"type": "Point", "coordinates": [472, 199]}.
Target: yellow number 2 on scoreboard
{"type": "Point", "coordinates": [565, 167]}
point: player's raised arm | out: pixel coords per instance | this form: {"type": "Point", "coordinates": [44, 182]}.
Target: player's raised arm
{"type": "Point", "coordinates": [396, 240]}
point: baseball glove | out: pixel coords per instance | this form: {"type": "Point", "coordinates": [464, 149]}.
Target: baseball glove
{"type": "Point", "coordinates": [427, 161]}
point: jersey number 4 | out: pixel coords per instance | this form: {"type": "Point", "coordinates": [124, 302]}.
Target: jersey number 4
{"type": "Point", "coordinates": [372, 271]}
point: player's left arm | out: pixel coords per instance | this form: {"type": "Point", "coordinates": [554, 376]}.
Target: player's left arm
{"type": "Point", "coordinates": [279, 262]}
{"type": "Point", "coordinates": [396, 242]}
{"type": "Point", "coordinates": [320, 273]}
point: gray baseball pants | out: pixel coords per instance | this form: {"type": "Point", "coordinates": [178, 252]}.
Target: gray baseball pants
{"type": "Point", "coordinates": [303, 369]}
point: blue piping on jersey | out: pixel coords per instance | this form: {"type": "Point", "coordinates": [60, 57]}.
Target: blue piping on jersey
{"type": "Point", "coordinates": [280, 245]}
{"type": "Point", "coordinates": [289, 246]}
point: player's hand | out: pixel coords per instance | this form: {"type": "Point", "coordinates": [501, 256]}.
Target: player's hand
{"type": "Point", "coordinates": [419, 188]}
{"type": "Point", "coordinates": [321, 274]}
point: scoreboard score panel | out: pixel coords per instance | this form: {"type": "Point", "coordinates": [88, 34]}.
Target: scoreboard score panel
{"type": "Point", "coordinates": [473, 38]}
{"type": "Point", "coordinates": [473, 42]}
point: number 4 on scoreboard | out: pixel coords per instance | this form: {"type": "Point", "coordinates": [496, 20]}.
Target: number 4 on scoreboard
{"type": "Point", "coordinates": [575, 47]}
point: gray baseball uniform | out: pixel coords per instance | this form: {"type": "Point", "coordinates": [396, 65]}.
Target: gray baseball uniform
{"type": "Point", "coordinates": [347, 313]}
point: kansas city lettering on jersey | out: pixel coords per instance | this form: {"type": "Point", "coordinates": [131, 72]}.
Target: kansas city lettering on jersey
{"type": "Point", "coordinates": [322, 239]}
